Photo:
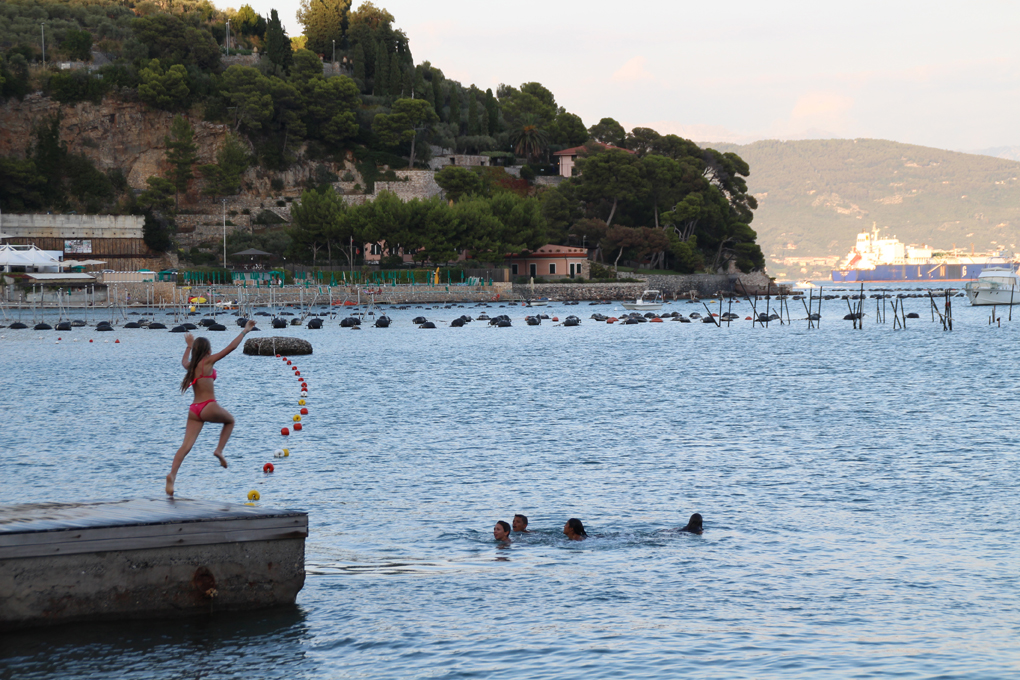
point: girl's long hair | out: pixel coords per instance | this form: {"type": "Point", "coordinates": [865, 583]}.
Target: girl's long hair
{"type": "Point", "coordinates": [200, 349]}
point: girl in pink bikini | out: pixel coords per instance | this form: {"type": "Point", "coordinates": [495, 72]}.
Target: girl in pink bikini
{"type": "Point", "coordinates": [200, 377]}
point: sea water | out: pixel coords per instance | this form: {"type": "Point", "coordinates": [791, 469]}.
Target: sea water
{"type": "Point", "coordinates": [859, 490]}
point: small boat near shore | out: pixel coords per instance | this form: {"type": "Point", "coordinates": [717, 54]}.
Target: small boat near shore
{"type": "Point", "coordinates": [649, 301]}
{"type": "Point", "coordinates": [994, 286]}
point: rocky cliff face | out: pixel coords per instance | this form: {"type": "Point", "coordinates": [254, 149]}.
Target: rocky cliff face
{"type": "Point", "coordinates": [114, 133]}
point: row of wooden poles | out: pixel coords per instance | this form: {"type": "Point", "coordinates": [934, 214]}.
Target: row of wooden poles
{"type": "Point", "coordinates": [814, 315]}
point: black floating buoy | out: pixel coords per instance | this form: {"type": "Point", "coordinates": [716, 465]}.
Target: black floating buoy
{"type": "Point", "coordinates": [419, 320]}
{"type": "Point", "coordinates": [382, 322]}
{"type": "Point", "coordinates": [457, 323]}
{"type": "Point", "coordinates": [131, 324]}
{"type": "Point", "coordinates": [190, 326]}
{"type": "Point", "coordinates": [156, 326]}
{"type": "Point", "coordinates": [913, 315]}
{"type": "Point", "coordinates": [63, 326]}
{"type": "Point", "coordinates": [178, 329]}
{"type": "Point", "coordinates": [315, 323]}
{"type": "Point", "coordinates": [279, 323]}
{"type": "Point", "coordinates": [242, 321]}
{"type": "Point", "coordinates": [217, 327]}
{"type": "Point", "coordinates": [17, 326]}
{"type": "Point", "coordinates": [428, 324]}
{"type": "Point", "coordinates": [42, 327]}
{"type": "Point", "coordinates": [503, 323]}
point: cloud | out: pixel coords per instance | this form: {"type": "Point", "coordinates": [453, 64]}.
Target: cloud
{"type": "Point", "coordinates": [632, 71]}
{"type": "Point", "coordinates": [815, 105]}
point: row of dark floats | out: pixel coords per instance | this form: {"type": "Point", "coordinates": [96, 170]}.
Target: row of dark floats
{"type": "Point", "coordinates": [284, 319]}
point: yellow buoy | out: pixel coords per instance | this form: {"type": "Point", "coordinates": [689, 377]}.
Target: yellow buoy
{"type": "Point", "coordinates": [301, 402]}
{"type": "Point", "coordinates": [254, 495]}
{"type": "Point", "coordinates": [286, 452]}
{"type": "Point", "coordinates": [251, 504]}
{"type": "Point", "coordinates": [191, 308]}
{"type": "Point", "coordinates": [297, 419]}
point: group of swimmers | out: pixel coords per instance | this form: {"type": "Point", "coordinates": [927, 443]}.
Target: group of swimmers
{"type": "Point", "coordinates": [574, 528]}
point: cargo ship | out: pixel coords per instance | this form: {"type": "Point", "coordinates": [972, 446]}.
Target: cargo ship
{"type": "Point", "coordinates": [887, 260]}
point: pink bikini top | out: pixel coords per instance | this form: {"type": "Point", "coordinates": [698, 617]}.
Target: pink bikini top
{"type": "Point", "coordinates": [213, 376]}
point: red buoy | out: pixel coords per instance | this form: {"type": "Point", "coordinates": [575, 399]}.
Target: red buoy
{"type": "Point", "coordinates": [288, 362]}
{"type": "Point", "coordinates": [297, 373]}
{"type": "Point", "coordinates": [656, 320]}
{"type": "Point", "coordinates": [116, 342]}
{"type": "Point", "coordinates": [556, 318]}
{"type": "Point", "coordinates": [304, 412]}
{"type": "Point", "coordinates": [90, 339]}
{"type": "Point", "coordinates": [297, 427]}
{"type": "Point", "coordinates": [267, 468]}
{"type": "Point", "coordinates": [277, 356]}
{"type": "Point", "coordinates": [293, 368]}
{"type": "Point", "coordinates": [747, 318]}
{"type": "Point", "coordinates": [284, 431]}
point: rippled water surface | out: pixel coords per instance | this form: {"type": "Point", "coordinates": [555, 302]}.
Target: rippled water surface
{"type": "Point", "coordinates": [859, 490]}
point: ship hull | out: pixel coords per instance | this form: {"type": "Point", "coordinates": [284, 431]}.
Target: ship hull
{"type": "Point", "coordinates": [895, 273]}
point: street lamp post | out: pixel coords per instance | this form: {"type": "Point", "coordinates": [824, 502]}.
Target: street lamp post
{"type": "Point", "coordinates": [226, 41]}
{"type": "Point", "coordinates": [224, 233]}
{"type": "Point", "coordinates": [334, 50]}
{"type": "Point", "coordinates": [42, 30]}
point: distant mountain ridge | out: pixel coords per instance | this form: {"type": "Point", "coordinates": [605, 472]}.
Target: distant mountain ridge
{"type": "Point", "coordinates": [1010, 153]}
{"type": "Point", "coordinates": [814, 196]}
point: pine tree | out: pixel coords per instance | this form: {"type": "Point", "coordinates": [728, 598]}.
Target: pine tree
{"type": "Point", "coordinates": [278, 47]}
{"type": "Point", "coordinates": [180, 154]}
{"type": "Point", "coordinates": [483, 121]}
{"type": "Point", "coordinates": [380, 78]}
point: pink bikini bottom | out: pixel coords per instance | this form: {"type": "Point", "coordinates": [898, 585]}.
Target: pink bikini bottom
{"type": "Point", "coordinates": [197, 407]}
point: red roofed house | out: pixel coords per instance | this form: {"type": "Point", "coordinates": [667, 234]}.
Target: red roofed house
{"type": "Point", "coordinates": [549, 261]}
{"type": "Point", "coordinates": [568, 157]}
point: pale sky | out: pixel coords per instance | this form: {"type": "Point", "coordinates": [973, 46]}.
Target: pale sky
{"type": "Point", "coordinates": [945, 75]}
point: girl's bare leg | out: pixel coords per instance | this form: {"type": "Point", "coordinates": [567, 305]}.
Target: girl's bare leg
{"type": "Point", "coordinates": [214, 413]}
{"type": "Point", "coordinates": [191, 433]}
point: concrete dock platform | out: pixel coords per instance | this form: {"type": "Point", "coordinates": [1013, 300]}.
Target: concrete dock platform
{"type": "Point", "coordinates": [62, 562]}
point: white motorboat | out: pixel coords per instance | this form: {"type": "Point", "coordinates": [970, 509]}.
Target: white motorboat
{"type": "Point", "coordinates": [994, 286]}
{"type": "Point", "coordinates": [540, 302]}
{"type": "Point", "coordinates": [805, 284]}
{"type": "Point", "coordinates": [650, 301]}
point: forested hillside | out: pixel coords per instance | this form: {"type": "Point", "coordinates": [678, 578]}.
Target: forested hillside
{"type": "Point", "coordinates": [348, 104]}
{"type": "Point", "coordinates": [814, 196]}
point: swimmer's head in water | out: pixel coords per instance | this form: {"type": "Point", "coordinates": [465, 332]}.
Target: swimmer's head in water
{"type": "Point", "coordinates": [520, 523]}
{"type": "Point", "coordinates": [501, 532]}
{"type": "Point", "coordinates": [574, 529]}
{"type": "Point", "coordinates": [200, 349]}
{"type": "Point", "coordinates": [694, 524]}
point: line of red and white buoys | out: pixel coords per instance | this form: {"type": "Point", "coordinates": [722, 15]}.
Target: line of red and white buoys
{"type": "Point", "coordinates": [298, 426]}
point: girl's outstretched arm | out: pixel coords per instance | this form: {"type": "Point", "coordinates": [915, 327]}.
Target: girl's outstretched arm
{"type": "Point", "coordinates": [186, 361]}
{"type": "Point", "coordinates": [234, 343]}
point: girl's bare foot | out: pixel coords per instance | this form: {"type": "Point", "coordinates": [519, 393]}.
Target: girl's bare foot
{"type": "Point", "coordinates": [169, 485]}
{"type": "Point", "coordinates": [223, 461]}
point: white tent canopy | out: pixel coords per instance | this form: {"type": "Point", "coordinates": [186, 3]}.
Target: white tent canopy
{"type": "Point", "coordinates": [26, 256]}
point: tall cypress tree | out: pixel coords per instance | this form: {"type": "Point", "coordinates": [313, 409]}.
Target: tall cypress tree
{"type": "Point", "coordinates": [455, 107]}
{"type": "Point", "coordinates": [423, 90]}
{"type": "Point", "coordinates": [358, 56]}
{"type": "Point", "coordinates": [278, 47]}
{"type": "Point", "coordinates": [472, 124]}
{"type": "Point", "coordinates": [381, 75]}
{"type": "Point", "coordinates": [439, 102]}
{"type": "Point", "coordinates": [180, 154]}
{"type": "Point", "coordinates": [492, 109]}
{"type": "Point", "coordinates": [396, 77]}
